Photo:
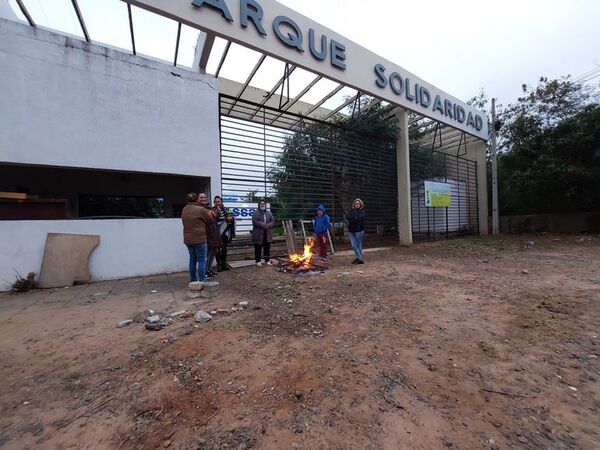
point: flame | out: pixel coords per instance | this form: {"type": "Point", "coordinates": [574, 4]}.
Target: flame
{"type": "Point", "coordinates": [305, 257]}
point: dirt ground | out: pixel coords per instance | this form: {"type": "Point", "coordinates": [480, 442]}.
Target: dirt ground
{"type": "Point", "coordinates": [476, 343]}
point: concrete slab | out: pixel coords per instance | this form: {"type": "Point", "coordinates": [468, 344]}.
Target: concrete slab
{"type": "Point", "coordinates": [241, 264]}
{"type": "Point", "coordinates": [365, 250]}
{"type": "Point", "coordinates": [66, 259]}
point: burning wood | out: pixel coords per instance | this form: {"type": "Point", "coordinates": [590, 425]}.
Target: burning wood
{"type": "Point", "coordinates": [303, 262]}
{"type": "Point", "coordinates": [303, 259]}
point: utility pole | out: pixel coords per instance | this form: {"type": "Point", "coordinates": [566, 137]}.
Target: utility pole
{"type": "Point", "coordinates": [495, 215]}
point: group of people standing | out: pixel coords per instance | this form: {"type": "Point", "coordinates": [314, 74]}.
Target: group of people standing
{"type": "Point", "coordinates": [263, 223]}
{"type": "Point", "coordinates": [207, 231]}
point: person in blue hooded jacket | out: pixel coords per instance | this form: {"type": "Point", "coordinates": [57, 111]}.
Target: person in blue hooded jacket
{"type": "Point", "coordinates": [321, 224]}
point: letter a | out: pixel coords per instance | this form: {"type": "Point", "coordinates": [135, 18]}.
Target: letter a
{"type": "Point", "coordinates": [219, 5]}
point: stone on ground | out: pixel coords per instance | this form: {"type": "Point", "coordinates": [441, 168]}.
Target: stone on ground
{"type": "Point", "coordinates": [193, 295]}
{"type": "Point", "coordinates": [196, 286]}
{"type": "Point", "coordinates": [202, 317]}
{"type": "Point", "coordinates": [142, 316]}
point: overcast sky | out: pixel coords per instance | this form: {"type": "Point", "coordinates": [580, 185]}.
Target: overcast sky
{"type": "Point", "coordinates": [459, 46]}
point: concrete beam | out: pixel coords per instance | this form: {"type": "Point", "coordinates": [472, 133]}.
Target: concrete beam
{"type": "Point", "coordinates": [403, 163]}
{"type": "Point", "coordinates": [255, 95]}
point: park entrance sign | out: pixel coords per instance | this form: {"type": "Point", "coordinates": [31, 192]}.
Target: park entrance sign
{"type": "Point", "coordinates": [275, 30]}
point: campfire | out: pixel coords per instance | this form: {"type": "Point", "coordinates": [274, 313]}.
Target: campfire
{"type": "Point", "coordinates": [303, 262]}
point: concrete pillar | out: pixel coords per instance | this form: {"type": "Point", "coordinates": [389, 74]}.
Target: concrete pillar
{"type": "Point", "coordinates": [476, 152]}
{"type": "Point", "coordinates": [204, 45]}
{"type": "Point", "coordinates": [403, 163]}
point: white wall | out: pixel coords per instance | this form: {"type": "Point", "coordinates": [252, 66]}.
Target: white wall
{"type": "Point", "coordinates": [6, 11]}
{"type": "Point", "coordinates": [128, 248]}
{"type": "Point", "coordinates": [67, 103]}
{"type": "Point", "coordinates": [64, 102]}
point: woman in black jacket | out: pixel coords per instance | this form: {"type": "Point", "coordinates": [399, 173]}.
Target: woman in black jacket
{"type": "Point", "coordinates": [213, 237]}
{"type": "Point", "coordinates": [356, 228]}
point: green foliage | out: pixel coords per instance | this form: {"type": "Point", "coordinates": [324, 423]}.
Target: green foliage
{"type": "Point", "coordinates": [254, 197]}
{"type": "Point", "coordinates": [318, 162]}
{"type": "Point", "coordinates": [549, 146]}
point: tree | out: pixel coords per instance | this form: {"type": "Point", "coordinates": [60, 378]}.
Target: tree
{"type": "Point", "coordinates": [321, 162]}
{"type": "Point", "coordinates": [549, 145]}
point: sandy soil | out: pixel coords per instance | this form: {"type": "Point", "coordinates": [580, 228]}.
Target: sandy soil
{"type": "Point", "coordinates": [464, 344]}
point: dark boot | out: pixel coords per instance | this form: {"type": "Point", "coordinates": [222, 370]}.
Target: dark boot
{"type": "Point", "coordinates": [224, 265]}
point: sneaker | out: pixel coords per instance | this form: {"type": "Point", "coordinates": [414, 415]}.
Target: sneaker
{"type": "Point", "coordinates": [354, 262]}
{"type": "Point", "coordinates": [360, 261]}
{"type": "Point", "coordinates": [226, 267]}
{"type": "Point", "coordinates": [269, 263]}
{"type": "Point", "coordinates": [259, 264]}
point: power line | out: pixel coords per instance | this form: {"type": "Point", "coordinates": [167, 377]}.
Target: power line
{"type": "Point", "coordinates": [591, 78]}
{"type": "Point", "coordinates": [585, 74]}
{"type": "Point", "coordinates": [582, 78]}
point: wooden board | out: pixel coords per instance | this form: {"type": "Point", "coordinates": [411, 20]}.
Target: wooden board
{"type": "Point", "coordinates": [13, 195]}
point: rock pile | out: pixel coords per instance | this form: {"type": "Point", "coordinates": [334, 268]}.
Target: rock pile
{"type": "Point", "coordinates": [208, 289]}
{"type": "Point", "coordinates": [194, 290]}
{"type": "Point", "coordinates": [211, 289]}
{"type": "Point", "coordinates": [155, 321]}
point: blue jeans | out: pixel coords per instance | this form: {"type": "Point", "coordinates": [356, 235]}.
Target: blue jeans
{"type": "Point", "coordinates": [356, 239]}
{"type": "Point", "coordinates": [197, 261]}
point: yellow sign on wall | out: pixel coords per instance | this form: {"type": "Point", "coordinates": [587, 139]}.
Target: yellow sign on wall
{"type": "Point", "coordinates": [438, 195]}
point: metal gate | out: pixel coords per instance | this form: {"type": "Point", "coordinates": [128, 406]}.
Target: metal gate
{"type": "Point", "coordinates": [462, 216]}
{"type": "Point", "coordinates": [296, 163]}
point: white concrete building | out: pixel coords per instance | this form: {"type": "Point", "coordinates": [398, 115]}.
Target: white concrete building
{"type": "Point", "coordinates": [83, 120]}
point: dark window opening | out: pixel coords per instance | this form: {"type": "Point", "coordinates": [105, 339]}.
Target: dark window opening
{"type": "Point", "coordinates": [58, 193]}
{"type": "Point", "coordinates": [98, 206]}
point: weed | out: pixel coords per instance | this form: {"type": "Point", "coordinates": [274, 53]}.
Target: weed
{"type": "Point", "coordinates": [21, 284]}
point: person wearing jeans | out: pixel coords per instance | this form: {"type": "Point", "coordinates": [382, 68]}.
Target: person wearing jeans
{"type": "Point", "coordinates": [197, 261]}
{"type": "Point", "coordinates": [356, 228]}
{"type": "Point", "coordinates": [194, 218]}
{"type": "Point", "coordinates": [262, 233]}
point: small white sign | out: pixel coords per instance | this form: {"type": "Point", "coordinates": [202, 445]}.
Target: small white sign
{"type": "Point", "coordinates": [438, 195]}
